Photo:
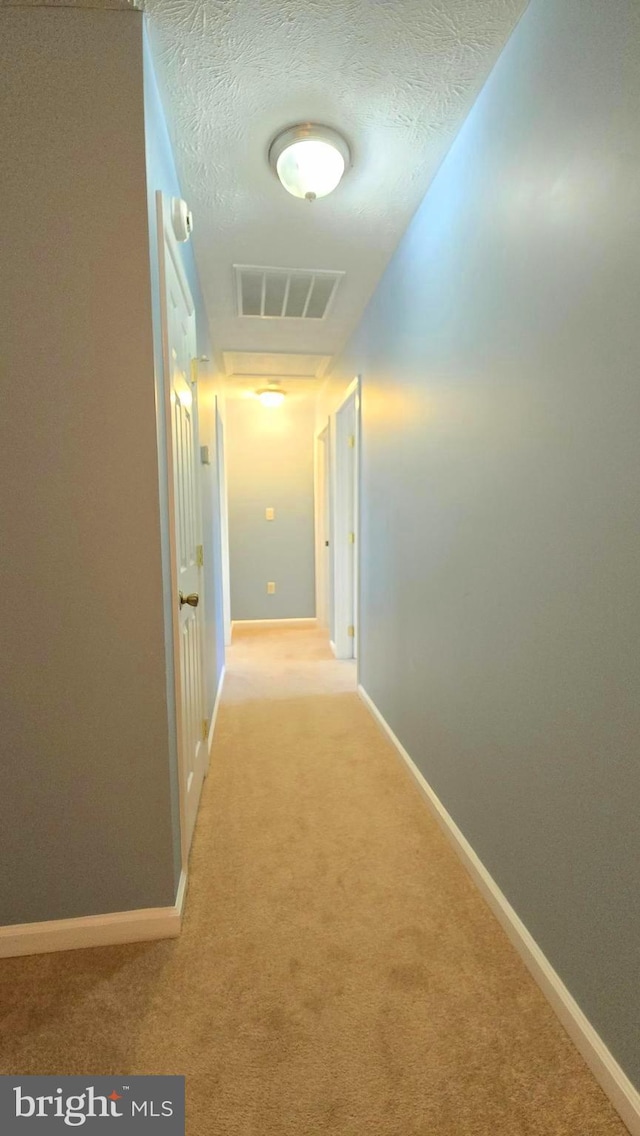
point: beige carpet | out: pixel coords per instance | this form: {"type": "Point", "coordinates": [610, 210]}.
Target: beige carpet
{"type": "Point", "coordinates": [338, 972]}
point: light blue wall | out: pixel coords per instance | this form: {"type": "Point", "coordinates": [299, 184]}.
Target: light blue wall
{"type": "Point", "coordinates": [270, 463]}
{"type": "Point", "coordinates": [500, 608]}
{"type": "Point", "coordinates": [161, 174]}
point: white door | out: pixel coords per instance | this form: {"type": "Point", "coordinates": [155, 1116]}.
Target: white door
{"type": "Point", "coordinates": [181, 403]}
{"type": "Point", "coordinates": [345, 526]}
{"type": "Point", "coordinates": [352, 523]}
{"type": "Point", "coordinates": [224, 522]}
{"type": "Point", "coordinates": [323, 530]}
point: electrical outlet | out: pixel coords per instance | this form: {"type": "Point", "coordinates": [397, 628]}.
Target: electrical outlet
{"type": "Point", "coordinates": [270, 513]}
{"type": "Point", "coordinates": [271, 588]}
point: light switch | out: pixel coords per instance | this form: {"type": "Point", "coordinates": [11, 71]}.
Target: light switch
{"type": "Point", "coordinates": [270, 513]}
{"type": "Point", "coordinates": [271, 588]}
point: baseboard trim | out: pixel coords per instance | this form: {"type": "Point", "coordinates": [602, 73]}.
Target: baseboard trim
{"type": "Point", "coordinates": [216, 707]}
{"type": "Point", "coordinates": [115, 928]}
{"type": "Point", "coordinates": [181, 894]}
{"type": "Point", "coordinates": [610, 1076]}
{"type": "Point", "coordinates": [309, 619]}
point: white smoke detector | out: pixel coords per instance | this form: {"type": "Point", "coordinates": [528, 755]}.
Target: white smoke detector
{"type": "Point", "coordinates": [181, 219]}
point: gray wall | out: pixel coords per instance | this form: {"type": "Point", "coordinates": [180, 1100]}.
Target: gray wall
{"type": "Point", "coordinates": [501, 470]}
{"type": "Point", "coordinates": [85, 795]}
{"type": "Point", "coordinates": [270, 463]}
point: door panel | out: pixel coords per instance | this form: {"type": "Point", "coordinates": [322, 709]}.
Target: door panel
{"type": "Point", "coordinates": [224, 523]}
{"type": "Point", "coordinates": [181, 395]}
{"type": "Point", "coordinates": [345, 527]}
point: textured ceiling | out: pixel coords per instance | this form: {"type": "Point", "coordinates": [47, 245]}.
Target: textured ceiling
{"type": "Point", "coordinates": [397, 77]}
{"type": "Point", "coordinates": [67, 3]}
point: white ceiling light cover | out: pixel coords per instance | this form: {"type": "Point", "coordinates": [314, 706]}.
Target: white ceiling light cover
{"type": "Point", "coordinates": [310, 169]}
{"type": "Point", "coordinates": [270, 396]}
{"type": "Point", "coordinates": [310, 160]}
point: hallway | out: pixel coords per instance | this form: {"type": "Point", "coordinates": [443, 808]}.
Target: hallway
{"type": "Point", "coordinates": [337, 971]}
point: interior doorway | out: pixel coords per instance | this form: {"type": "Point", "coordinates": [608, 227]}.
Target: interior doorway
{"type": "Point", "coordinates": [224, 520]}
{"type": "Point", "coordinates": [185, 520]}
{"type": "Point", "coordinates": [324, 559]}
{"type": "Point", "coordinates": [346, 476]}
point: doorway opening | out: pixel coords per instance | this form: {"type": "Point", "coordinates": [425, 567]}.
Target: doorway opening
{"type": "Point", "coordinates": [324, 552]}
{"type": "Point", "coordinates": [337, 481]}
{"type": "Point", "coordinates": [185, 522]}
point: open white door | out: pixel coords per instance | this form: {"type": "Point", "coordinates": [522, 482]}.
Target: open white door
{"type": "Point", "coordinates": [345, 525]}
{"type": "Point", "coordinates": [181, 415]}
{"type": "Point", "coordinates": [323, 530]}
{"type": "Point", "coordinates": [224, 522]}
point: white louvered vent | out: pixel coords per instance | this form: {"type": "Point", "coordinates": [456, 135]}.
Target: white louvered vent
{"type": "Point", "coordinates": [283, 293]}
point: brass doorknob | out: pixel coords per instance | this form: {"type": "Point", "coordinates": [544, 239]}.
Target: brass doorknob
{"type": "Point", "coordinates": [193, 599]}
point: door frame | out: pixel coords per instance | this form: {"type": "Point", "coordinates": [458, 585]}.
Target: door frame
{"type": "Point", "coordinates": [166, 238]}
{"type": "Point", "coordinates": [345, 590]}
{"type": "Point", "coordinates": [221, 459]}
{"type": "Point", "coordinates": [322, 497]}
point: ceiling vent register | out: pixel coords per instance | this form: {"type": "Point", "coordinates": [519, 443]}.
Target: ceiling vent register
{"type": "Point", "coordinates": [283, 293]}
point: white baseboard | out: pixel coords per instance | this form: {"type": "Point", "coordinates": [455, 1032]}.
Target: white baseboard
{"type": "Point", "coordinates": [181, 894]}
{"type": "Point", "coordinates": [108, 930]}
{"type": "Point", "coordinates": [309, 619]}
{"type": "Point", "coordinates": [612, 1079]}
{"type": "Point", "coordinates": [103, 930]}
{"type": "Point", "coordinates": [216, 705]}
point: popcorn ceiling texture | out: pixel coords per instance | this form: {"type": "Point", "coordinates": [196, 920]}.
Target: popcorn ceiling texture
{"type": "Point", "coordinates": [397, 77]}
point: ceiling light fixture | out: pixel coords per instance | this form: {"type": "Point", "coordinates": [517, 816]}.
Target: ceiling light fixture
{"type": "Point", "coordinates": [271, 396]}
{"type": "Point", "coordinates": [309, 159]}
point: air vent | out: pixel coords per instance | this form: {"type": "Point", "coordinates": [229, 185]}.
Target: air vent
{"type": "Point", "coordinates": [283, 293]}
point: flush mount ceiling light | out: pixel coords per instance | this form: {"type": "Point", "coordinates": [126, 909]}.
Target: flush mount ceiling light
{"type": "Point", "coordinates": [309, 159]}
{"type": "Point", "coordinates": [271, 396]}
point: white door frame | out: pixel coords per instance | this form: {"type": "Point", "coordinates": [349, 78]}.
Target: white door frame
{"type": "Point", "coordinates": [346, 584]}
{"type": "Point", "coordinates": [166, 237]}
{"type": "Point", "coordinates": [221, 457]}
{"type": "Point", "coordinates": [322, 498]}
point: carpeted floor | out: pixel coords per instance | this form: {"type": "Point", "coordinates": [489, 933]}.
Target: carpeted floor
{"type": "Point", "coordinates": [337, 972]}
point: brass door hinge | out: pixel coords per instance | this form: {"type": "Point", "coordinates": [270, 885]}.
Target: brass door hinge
{"type": "Point", "coordinates": [200, 555]}
{"type": "Point", "coordinates": [205, 729]}
{"type": "Point", "coordinates": [351, 441]}
{"type": "Point", "coordinates": [351, 631]}
{"type": "Point", "coordinates": [352, 538]}
{"type": "Point", "coordinates": [194, 371]}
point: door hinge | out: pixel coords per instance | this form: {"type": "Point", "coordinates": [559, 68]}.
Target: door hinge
{"type": "Point", "coordinates": [194, 371]}
{"type": "Point", "coordinates": [205, 729]}
{"type": "Point", "coordinates": [351, 631]}
{"type": "Point", "coordinates": [352, 538]}
{"type": "Point", "coordinates": [351, 441]}
{"type": "Point", "coordinates": [200, 555]}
